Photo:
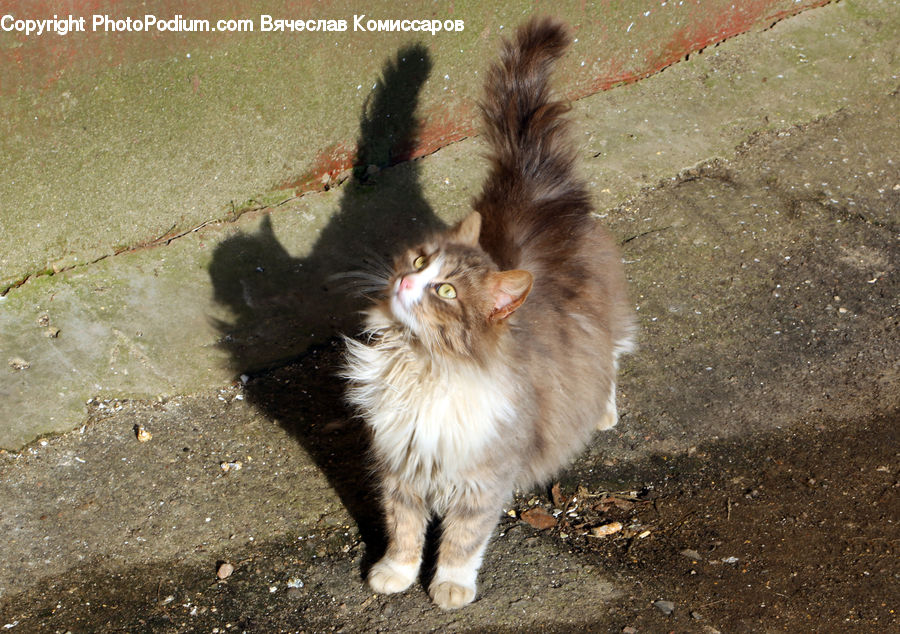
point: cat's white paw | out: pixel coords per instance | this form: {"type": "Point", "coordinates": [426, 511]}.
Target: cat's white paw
{"type": "Point", "coordinates": [454, 586]}
{"type": "Point", "coordinates": [608, 420]}
{"type": "Point", "coordinates": [449, 595]}
{"type": "Point", "coordinates": [610, 416]}
{"type": "Point", "coordinates": [388, 577]}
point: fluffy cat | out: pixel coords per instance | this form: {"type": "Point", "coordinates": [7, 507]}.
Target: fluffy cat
{"type": "Point", "coordinates": [491, 355]}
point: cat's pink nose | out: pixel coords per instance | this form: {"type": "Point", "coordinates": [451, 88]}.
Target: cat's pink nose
{"type": "Point", "coordinates": [406, 283]}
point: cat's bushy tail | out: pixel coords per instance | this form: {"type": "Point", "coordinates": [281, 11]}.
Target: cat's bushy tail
{"type": "Point", "coordinates": [532, 202]}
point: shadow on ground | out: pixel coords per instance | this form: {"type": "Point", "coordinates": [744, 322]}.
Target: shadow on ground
{"type": "Point", "coordinates": [274, 296]}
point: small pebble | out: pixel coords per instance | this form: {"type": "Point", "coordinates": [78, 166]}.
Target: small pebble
{"type": "Point", "coordinates": [143, 435]}
{"type": "Point", "coordinates": [225, 570]}
{"type": "Point", "coordinates": [666, 607]}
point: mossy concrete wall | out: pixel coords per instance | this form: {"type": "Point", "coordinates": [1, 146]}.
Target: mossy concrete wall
{"type": "Point", "coordinates": [152, 236]}
{"type": "Point", "coordinates": [115, 139]}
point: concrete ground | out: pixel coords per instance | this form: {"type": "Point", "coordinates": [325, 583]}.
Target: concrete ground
{"type": "Point", "coordinates": [126, 167]}
{"type": "Point", "coordinates": [755, 189]}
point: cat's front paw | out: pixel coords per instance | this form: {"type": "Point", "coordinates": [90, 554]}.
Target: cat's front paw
{"type": "Point", "coordinates": [449, 595]}
{"type": "Point", "coordinates": [608, 420]}
{"type": "Point", "coordinates": [388, 576]}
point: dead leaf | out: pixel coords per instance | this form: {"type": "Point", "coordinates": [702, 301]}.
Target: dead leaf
{"type": "Point", "coordinates": [614, 501]}
{"type": "Point", "coordinates": [624, 505]}
{"type": "Point", "coordinates": [539, 518]}
{"type": "Point", "coordinates": [559, 500]}
{"type": "Point", "coordinates": [606, 529]}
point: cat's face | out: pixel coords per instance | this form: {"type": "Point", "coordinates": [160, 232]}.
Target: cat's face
{"type": "Point", "coordinates": [448, 293]}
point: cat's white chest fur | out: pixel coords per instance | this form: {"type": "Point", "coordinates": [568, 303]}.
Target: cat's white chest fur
{"type": "Point", "coordinates": [432, 420]}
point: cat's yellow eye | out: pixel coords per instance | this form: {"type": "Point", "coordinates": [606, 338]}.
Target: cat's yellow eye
{"type": "Point", "coordinates": [419, 262]}
{"type": "Point", "coordinates": [446, 291]}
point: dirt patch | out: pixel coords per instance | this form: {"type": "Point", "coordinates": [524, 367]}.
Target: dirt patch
{"type": "Point", "coordinates": [785, 531]}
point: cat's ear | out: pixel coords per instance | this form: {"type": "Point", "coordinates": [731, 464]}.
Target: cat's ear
{"type": "Point", "coordinates": [509, 289]}
{"type": "Point", "coordinates": [468, 230]}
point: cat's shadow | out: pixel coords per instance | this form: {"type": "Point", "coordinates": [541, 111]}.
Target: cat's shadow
{"type": "Point", "coordinates": [281, 304]}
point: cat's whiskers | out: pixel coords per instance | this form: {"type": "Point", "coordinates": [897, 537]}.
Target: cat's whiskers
{"type": "Point", "coordinates": [372, 276]}
{"type": "Point", "coordinates": [366, 284]}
